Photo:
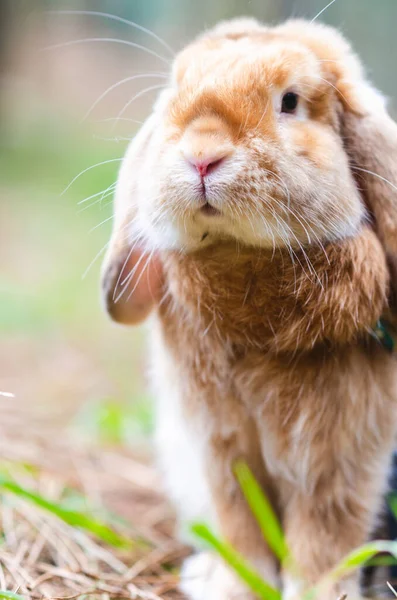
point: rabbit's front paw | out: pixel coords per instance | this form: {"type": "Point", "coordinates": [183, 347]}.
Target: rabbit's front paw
{"type": "Point", "coordinates": [204, 577]}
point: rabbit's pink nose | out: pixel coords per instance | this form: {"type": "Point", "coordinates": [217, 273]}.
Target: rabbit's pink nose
{"type": "Point", "coordinates": [205, 164]}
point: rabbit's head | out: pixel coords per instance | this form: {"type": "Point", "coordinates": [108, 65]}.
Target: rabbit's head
{"type": "Point", "coordinates": [268, 137]}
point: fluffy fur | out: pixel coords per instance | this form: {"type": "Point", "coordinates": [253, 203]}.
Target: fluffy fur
{"type": "Point", "coordinates": [264, 305]}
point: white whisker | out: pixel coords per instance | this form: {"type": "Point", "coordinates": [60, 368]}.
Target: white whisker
{"type": "Point", "coordinates": [294, 214]}
{"type": "Point", "coordinates": [126, 281]}
{"type": "Point", "coordinates": [104, 162]}
{"type": "Point", "coordinates": [99, 200]}
{"type": "Point", "coordinates": [100, 224]}
{"type": "Point", "coordinates": [116, 85]}
{"type": "Point", "coordinates": [116, 139]}
{"type": "Point", "coordinates": [88, 269]}
{"type": "Point", "coordinates": [122, 271]}
{"type": "Point", "coordinates": [375, 175]}
{"type": "Point", "coordinates": [337, 91]}
{"type": "Point", "coordinates": [263, 114]}
{"type": "Point", "coordinates": [140, 276]}
{"type": "Point", "coordinates": [98, 193]}
{"type": "Point", "coordinates": [138, 95]}
{"type": "Point", "coordinates": [98, 255]}
{"type": "Point", "coordinates": [322, 11]}
{"type": "Point", "coordinates": [95, 13]}
{"type": "Point", "coordinates": [128, 277]}
{"type": "Point", "coordinates": [307, 260]}
{"type": "Point", "coordinates": [108, 40]}
{"type": "Point", "coordinates": [120, 119]}
{"type": "Point", "coordinates": [287, 243]}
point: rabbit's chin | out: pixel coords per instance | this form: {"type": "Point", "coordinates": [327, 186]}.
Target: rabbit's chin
{"type": "Point", "coordinates": [193, 231]}
{"type": "Point", "coordinates": [195, 236]}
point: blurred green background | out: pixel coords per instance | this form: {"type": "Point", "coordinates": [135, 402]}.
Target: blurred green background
{"type": "Point", "coordinates": [59, 354]}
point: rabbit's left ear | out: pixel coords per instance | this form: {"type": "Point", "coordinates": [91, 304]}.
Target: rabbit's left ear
{"type": "Point", "coordinates": [132, 279]}
{"type": "Point", "coordinates": [370, 138]}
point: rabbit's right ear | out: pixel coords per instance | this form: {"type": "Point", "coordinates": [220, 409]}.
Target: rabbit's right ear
{"type": "Point", "coordinates": [131, 278]}
{"type": "Point", "coordinates": [371, 141]}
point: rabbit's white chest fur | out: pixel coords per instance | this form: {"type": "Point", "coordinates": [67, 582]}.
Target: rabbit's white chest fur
{"type": "Point", "coordinates": [179, 443]}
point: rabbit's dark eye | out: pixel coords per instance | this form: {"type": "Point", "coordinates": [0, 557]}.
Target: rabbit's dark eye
{"type": "Point", "coordinates": [289, 102]}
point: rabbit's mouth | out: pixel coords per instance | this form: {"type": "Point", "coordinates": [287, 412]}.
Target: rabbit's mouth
{"type": "Point", "coordinates": [206, 207]}
{"type": "Point", "coordinates": [209, 210]}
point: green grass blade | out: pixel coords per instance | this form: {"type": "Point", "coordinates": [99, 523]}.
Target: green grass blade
{"type": "Point", "coordinates": [262, 511]}
{"type": "Point", "coordinates": [382, 561]}
{"type": "Point", "coordinates": [359, 557]}
{"type": "Point", "coordinates": [71, 517]}
{"type": "Point", "coordinates": [354, 560]}
{"type": "Point", "coordinates": [392, 502]}
{"type": "Point", "coordinates": [10, 596]}
{"type": "Point", "coordinates": [239, 565]}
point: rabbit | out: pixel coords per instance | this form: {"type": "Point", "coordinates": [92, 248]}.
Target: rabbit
{"type": "Point", "coordinates": [255, 223]}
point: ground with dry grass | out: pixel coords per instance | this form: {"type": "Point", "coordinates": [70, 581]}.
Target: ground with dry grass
{"type": "Point", "coordinates": [41, 556]}
{"type": "Point", "coordinates": [77, 429]}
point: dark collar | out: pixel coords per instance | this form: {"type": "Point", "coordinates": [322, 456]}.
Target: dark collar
{"type": "Point", "coordinates": [385, 334]}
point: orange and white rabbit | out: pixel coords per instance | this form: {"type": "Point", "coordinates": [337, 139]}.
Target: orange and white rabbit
{"type": "Point", "coordinates": [256, 220]}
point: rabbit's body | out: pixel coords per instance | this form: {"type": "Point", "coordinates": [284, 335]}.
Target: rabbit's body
{"type": "Point", "coordinates": [315, 421]}
{"type": "Point", "coordinates": [257, 211]}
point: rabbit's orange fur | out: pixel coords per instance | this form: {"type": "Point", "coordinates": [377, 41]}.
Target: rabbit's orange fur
{"type": "Point", "coordinates": [303, 393]}
{"type": "Point", "coordinates": [265, 301]}
{"type": "Point", "coordinates": [262, 340]}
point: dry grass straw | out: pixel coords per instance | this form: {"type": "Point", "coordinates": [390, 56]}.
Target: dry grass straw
{"type": "Point", "coordinates": [43, 557]}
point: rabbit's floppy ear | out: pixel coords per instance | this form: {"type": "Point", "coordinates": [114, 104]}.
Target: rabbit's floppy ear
{"type": "Point", "coordinates": [236, 28]}
{"type": "Point", "coordinates": [370, 138]}
{"type": "Point", "coordinates": [131, 279]}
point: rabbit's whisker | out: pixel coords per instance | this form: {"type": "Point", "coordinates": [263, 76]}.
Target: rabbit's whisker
{"type": "Point", "coordinates": [95, 13]}
{"type": "Point", "coordinates": [140, 276]}
{"type": "Point", "coordinates": [98, 255]}
{"type": "Point", "coordinates": [98, 201]}
{"type": "Point", "coordinates": [100, 224]}
{"type": "Point", "coordinates": [297, 217]}
{"type": "Point", "coordinates": [124, 283]}
{"type": "Point", "coordinates": [125, 119]}
{"type": "Point", "coordinates": [307, 260]}
{"type": "Point", "coordinates": [135, 97]}
{"type": "Point", "coordinates": [337, 91]}
{"type": "Point", "coordinates": [322, 11]}
{"type": "Point", "coordinates": [106, 40]}
{"type": "Point", "coordinates": [243, 127]}
{"type": "Point", "coordinates": [269, 231]}
{"type": "Point", "coordinates": [119, 281]}
{"type": "Point", "coordinates": [250, 221]}
{"type": "Point", "coordinates": [103, 162]}
{"type": "Point", "coordinates": [281, 225]}
{"type": "Point", "coordinates": [97, 194]}
{"type": "Point", "coordinates": [262, 117]}
{"type": "Point", "coordinates": [118, 84]}
{"type": "Point", "coordinates": [117, 139]}
{"type": "Point", "coordinates": [375, 175]}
